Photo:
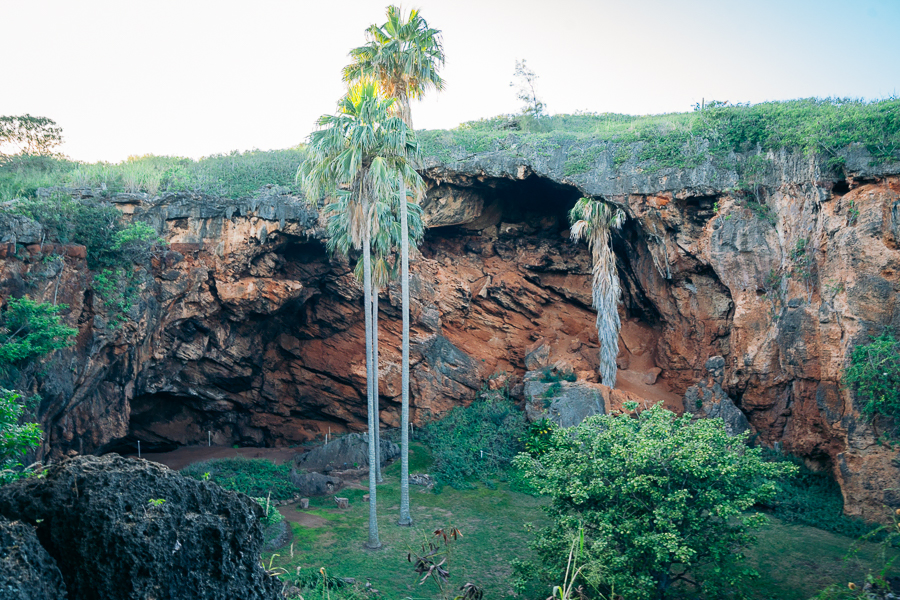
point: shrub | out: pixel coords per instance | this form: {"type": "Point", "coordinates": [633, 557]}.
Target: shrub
{"type": "Point", "coordinates": [661, 501]}
{"type": "Point", "coordinates": [475, 442]}
{"type": "Point", "coordinates": [29, 330]}
{"type": "Point", "coordinates": [874, 376]}
{"type": "Point", "coordinates": [15, 439]}
{"type": "Point", "coordinates": [256, 477]}
{"type": "Point", "coordinates": [271, 514]}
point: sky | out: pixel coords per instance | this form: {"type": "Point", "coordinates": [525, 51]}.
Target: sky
{"type": "Point", "coordinates": [199, 77]}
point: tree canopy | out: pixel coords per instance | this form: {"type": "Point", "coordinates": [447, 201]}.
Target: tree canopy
{"type": "Point", "coordinates": [403, 56]}
{"type": "Point", "coordinates": [29, 330]}
{"type": "Point", "coordinates": [661, 500]}
{"type": "Point", "coordinates": [25, 134]}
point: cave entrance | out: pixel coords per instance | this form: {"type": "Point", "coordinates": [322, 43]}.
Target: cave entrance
{"type": "Point", "coordinates": [164, 422]}
{"type": "Point", "coordinates": [476, 205]}
{"type": "Point", "coordinates": [524, 294]}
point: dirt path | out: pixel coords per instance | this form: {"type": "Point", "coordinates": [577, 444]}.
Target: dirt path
{"type": "Point", "coordinates": [182, 457]}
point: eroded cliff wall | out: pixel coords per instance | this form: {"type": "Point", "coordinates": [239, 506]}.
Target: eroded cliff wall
{"type": "Point", "coordinates": [246, 330]}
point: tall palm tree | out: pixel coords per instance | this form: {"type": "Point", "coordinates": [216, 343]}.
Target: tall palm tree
{"type": "Point", "coordinates": [386, 232]}
{"type": "Point", "coordinates": [404, 55]}
{"type": "Point", "coordinates": [357, 154]}
{"type": "Point", "coordinates": [592, 221]}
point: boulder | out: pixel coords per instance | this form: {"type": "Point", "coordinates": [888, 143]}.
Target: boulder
{"type": "Point", "coordinates": [566, 403]}
{"type": "Point", "coordinates": [348, 452]}
{"type": "Point", "coordinates": [537, 355]}
{"type": "Point", "coordinates": [27, 572]}
{"type": "Point", "coordinates": [129, 529]}
{"type": "Point", "coordinates": [315, 484]}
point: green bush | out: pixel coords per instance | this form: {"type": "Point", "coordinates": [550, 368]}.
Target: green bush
{"type": "Point", "coordinates": [29, 330]}
{"type": "Point", "coordinates": [874, 377]}
{"type": "Point", "coordinates": [551, 375]}
{"type": "Point", "coordinates": [15, 439]}
{"type": "Point", "coordinates": [271, 514]}
{"type": "Point", "coordinates": [475, 442]}
{"type": "Point", "coordinates": [662, 503]}
{"type": "Point", "coordinates": [256, 477]}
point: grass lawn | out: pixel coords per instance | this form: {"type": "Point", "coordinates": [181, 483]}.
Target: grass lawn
{"type": "Point", "coordinates": [795, 561]}
{"type": "Point", "coordinates": [491, 521]}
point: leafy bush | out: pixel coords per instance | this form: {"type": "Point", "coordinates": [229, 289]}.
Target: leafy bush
{"type": "Point", "coordinates": [256, 477]}
{"type": "Point", "coordinates": [874, 376]}
{"type": "Point", "coordinates": [15, 439]}
{"type": "Point", "coordinates": [29, 330]}
{"type": "Point", "coordinates": [118, 290]}
{"type": "Point", "coordinates": [660, 500]}
{"type": "Point", "coordinates": [538, 439]}
{"type": "Point", "coordinates": [271, 514]}
{"type": "Point", "coordinates": [475, 442]}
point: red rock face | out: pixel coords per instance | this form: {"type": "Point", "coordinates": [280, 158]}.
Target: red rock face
{"type": "Point", "coordinates": [247, 332]}
{"type": "Point", "coordinates": [784, 293]}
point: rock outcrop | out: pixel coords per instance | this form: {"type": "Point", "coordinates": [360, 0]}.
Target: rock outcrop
{"type": "Point", "coordinates": [708, 400]}
{"type": "Point", "coordinates": [347, 452]}
{"type": "Point", "coordinates": [27, 572]}
{"type": "Point", "coordinates": [128, 529]}
{"type": "Point", "coordinates": [246, 331]}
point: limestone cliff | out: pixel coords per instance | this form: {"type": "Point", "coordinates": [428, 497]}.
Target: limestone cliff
{"type": "Point", "coordinates": [246, 329]}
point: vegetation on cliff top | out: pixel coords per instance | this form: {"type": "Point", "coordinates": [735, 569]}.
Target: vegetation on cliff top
{"type": "Point", "coordinates": [683, 140]}
{"type": "Point", "coordinates": [232, 175]}
{"type": "Point", "coordinates": [676, 140]}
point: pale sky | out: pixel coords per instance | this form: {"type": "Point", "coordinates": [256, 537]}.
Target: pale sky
{"type": "Point", "coordinates": [196, 77]}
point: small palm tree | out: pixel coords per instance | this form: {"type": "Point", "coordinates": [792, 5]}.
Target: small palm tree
{"type": "Point", "coordinates": [592, 221]}
{"type": "Point", "coordinates": [358, 154]}
{"type": "Point", "coordinates": [404, 55]}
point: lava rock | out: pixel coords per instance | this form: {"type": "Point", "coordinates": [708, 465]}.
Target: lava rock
{"type": "Point", "coordinates": [315, 484]}
{"type": "Point", "coordinates": [129, 529]}
{"type": "Point", "coordinates": [348, 452]}
{"type": "Point", "coordinates": [27, 572]}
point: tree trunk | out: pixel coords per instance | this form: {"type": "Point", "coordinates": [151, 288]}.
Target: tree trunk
{"type": "Point", "coordinates": [606, 292]}
{"type": "Point", "coordinates": [373, 541]}
{"type": "Point", "coordinates": [376, 372]}
{"type": "Point", "coordinates": [405, 518]}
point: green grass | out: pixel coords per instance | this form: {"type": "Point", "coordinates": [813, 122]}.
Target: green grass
{"type": "Point", "coordinates": [492, 522]}
{"type": "Point", "coordinates": [683, 140]}
{"type": "Point", "coordinates": [797, 561]}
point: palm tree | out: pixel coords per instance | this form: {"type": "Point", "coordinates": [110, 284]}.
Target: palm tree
{"type": "Point", "coordinates": [357, 155]}
{"type": "Point", "coordinates": [592, 220]}
{"type": "Point", "coordinates": [386, 232]}
{"type": "Point", "coordinates": [404, 55]}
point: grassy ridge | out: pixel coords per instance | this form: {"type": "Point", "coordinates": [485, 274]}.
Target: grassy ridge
{"type": "Point", "coordinates": [684, 140]}
{"type": "Point", "coordinates": [675, 140]}
{"type": "Point", "coordinates": [234, 175]}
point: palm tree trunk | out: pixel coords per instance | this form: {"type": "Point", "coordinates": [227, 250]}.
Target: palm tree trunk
{"type": "Point", "coordinates": [376, 372]}
{"type": "Point", "coordinates": [405, 518]}
{"type": "Point", "coordinates": [606, 291]}
{"type": "Point", "coordinates": [373, 541]}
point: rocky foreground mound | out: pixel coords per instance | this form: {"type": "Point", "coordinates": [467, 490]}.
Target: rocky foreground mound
{"type": "Point", "coordinates": [121, 528]}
